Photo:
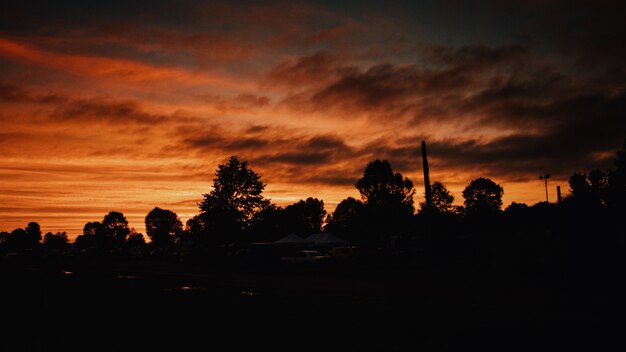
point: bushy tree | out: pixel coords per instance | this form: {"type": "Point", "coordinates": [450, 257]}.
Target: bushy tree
{"type": "Point", "coordinates": [305, 217]}
{"type": "Point", "coordinates": [116, 226]}
{"type": "Point", "coordinates": [33, 231]}
{"type": "Point", "coordinates": [347, 220]}
{"type": "Point", "coordinates": [381, 188]}
{"type": "Point", "coordinates": [388, 201]}
{"type": "Point", "coordinates": [162, 226]}
{"type": "Point", "coordinates": [55, 240]}
{"type": "Point", "coordinates": [482, 197]}
{"type": "Point", "coordinates": [442, 199]}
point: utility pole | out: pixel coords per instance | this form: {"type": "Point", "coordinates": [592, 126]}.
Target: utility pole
{"type": "Point", "coordinates": [427, 192]}
{"type": "Point", "coordinates": [545, 180]}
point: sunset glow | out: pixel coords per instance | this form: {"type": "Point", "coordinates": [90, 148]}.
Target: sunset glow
{"type": "Point", "coordinates": [130, 107]}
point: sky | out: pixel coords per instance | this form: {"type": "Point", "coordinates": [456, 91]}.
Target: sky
{"type": "Point", "coordinates": [125, 106]}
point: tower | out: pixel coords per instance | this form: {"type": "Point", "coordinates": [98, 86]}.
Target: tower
{"type": "Point", "coordinates": [427, 193]}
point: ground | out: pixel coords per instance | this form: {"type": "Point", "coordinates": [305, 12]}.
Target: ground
{"type": "Point", "coordinates": [119, 306]}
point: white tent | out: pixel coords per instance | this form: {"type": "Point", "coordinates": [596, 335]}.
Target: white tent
{"type": "Point", "coordinates": [326, 239]}
{"type": "Point", "coordinates": [291, 239]}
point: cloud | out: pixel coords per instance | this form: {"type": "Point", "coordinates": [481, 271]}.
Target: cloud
{"type": "Point", "coordinates": [128, 71]}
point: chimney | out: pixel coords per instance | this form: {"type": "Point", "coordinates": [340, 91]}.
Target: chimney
{"type": "Point", "coordinates": [427, 193]}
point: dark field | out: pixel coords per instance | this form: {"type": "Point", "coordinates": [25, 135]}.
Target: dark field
{"type": "Point", "coordinates": [143, 305]}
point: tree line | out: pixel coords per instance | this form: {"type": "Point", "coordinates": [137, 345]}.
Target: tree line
{"type": "Point", "coordinates": [235, 210]}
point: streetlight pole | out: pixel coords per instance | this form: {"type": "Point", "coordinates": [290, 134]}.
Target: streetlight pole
{"type": "Point", "coordinates": [545, 180]}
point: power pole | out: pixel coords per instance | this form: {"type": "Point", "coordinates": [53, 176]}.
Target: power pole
{"type": "Point", "coordinates": [545, 180]}
{"type": "Point", "coordinates": [427, 192]}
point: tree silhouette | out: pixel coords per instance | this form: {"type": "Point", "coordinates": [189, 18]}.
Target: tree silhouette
{"type": "Point", "coordinates": [482, 197]}
{"type": "Point", "coordinates": [388, 201]}
{"type": "Point", "coordinates": [18, 239]}
{"type": "Point", "coordinates": [93, 235]}
{"type": "Point", "coordinates": [442, 199]}
{"type": "Point", "coordinates": [588, 190]}
{"type": "Point", "coordinates": [4, 237]}
{"type": "Point", "coordinates": [55, 240]}
{"type": "Point", "coordinates": [381, 188]}
{"type": "Point", "coordinates": [305, 217]}
{"type": "Point", "coordinates": [116, 227]}
{"type": "Point", "coordinates": [135, 239]}
{"type": "Point", "coordinates": [269, 224]}
{"type": "Point", "coordinates": [33, 231]}
{"type": "Point", "coordinates": [235, 199]}
{"type": "Point", "coordinates": [347, 219]}
{"type": "Point", "coordinates": [162, 226]}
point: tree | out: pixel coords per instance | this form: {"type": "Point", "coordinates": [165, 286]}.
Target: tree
{"type": "Point", "coordinates": [235, 199]}
{"type": "Point", "coordinates": [347, 219]}
{"type": "Point", "coordinates": [135, 239]}
{"type": "Point", "coordinates": [305, 217]}
{"type": "Point", "coordinates": [381, 188]}
{"type": "Point", "coordinates": [482, 197]}
{"type": "Point", "coordinates": [4, 237]}
{"type": "Point", "coordinates": [162, 226]}
{"type": "Point", "coordinates": [18, 239]}
{"type": "Point", "coordinates": [55, 241]}
{"type": "Point", "coordinates": [388, 202]}
{"type": "Point", "coordinates": [93, 235]}
{"type": "Point", "coordinates": [588, 190]}
{"type": "Point", "coordinates": [269, 224]}
{"type": "Point", "coordinates": [116, 226]}
{"type": "Point", "coordinates": [442, 199]}
{"type": "Point", "coordinates": [33, 231]}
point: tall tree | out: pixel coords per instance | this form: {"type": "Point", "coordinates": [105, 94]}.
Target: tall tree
{"type": "Point", "coordinates": [381, 188]}
{"type": "Point", "coordinates": [162, 226]}
{"type": "Point", "coordinates": [116, 226]}
{"type": "Point", "coordinates": [483, 197]}
{"type": "Point", "coordinates": [235, 199]}
{"type": "Point", "coordinates": [388, 202]}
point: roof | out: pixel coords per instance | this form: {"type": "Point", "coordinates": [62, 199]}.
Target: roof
{"type": "Point", "coordinates": [291, 239]}
{"type": "Point", "coordinates": [321, 239]}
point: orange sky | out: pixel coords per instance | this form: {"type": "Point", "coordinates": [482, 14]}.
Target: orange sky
{"type": "Point", "coordinates": [133, 108]}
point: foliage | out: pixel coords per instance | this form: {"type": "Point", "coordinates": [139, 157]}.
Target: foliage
{"type": "Point", "coordinates": [388, 202]}
{"type": "Point", "coordinates": [482, 197]}
{"type": "Point", "coordinates": [346, 221]}
{"type": "Point", "coordinates": [381, 188]}
{"type": "Point", "coordinates": [305, 217]}
{"type": "Point", "coordinates": [55, 240]}
{"type": "Point", "coordinates": [116, 226]}
{"type": "Point", "coordinates": [33, 231]}
{"type": "Point", "coordinates": [235, 199]}
{"type": "Point", "coordinates": [442, 199]}
{"type": "Point", "coordinates": [162, 226]}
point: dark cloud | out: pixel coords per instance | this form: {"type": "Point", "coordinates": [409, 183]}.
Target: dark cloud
{"type": "Point", "coordinates": [15, 94]}
{"type": "Point", "coordinates": [299, 158]}
{"type": "Point", "coordinates": [105, 110]}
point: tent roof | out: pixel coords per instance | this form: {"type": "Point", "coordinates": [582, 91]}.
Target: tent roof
{"type": "Point", "coordinates": [326, 239]}
{"type": "Point", "coordinates": [291, 239]}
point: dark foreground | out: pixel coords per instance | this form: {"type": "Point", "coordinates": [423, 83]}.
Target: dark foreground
{"type": "Point", "coordinates": [142, 306]}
